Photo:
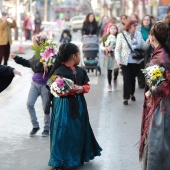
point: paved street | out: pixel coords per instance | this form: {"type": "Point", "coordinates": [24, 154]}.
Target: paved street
{"type": "Point", "coordinates": [116, 127]}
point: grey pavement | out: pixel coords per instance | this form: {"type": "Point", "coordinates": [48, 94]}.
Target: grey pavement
{"type": "Point", "coordinates": [116, 127]}
{"type": "Point", "coordinates": [17, 44]}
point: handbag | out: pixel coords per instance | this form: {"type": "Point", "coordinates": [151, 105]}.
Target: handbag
{"type": "Point", "coordinates": [137, 54]}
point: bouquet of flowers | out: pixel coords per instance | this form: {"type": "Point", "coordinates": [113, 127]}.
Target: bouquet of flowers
{"type": "Point", "coordinates": [46, 52]}
{"type": "Point", "coordinates": [110, 43]}
{"type": "Point", "coordinates": [60, 85]}
{"type": "Point", "coordinates": [154, 75]}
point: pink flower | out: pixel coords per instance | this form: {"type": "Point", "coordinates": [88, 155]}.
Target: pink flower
{"type": "Point", "coordinates": [60, 82]}
{"type": "Point", "coordinates": [46, 55]}
{"type": "Point", "coordinates": [51, 50]}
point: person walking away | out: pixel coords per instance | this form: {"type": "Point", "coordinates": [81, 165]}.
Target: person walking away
{"type": "Point", "coordinates": [155, 127]}
{"type": "Point", "coordinates": [37, 23]}
{"type": "Point", "coordinates": [146, 25]}
{"type": "Point", "coordinates": [28, 26]}
{"type": "Point", "coordinates": [123, 56]}
{"type": "Point", "coordinates": [7, 74]}
{"type": "Point", "coordinates": [6, 24]}
{"type": "Point", "coordinates": [38, 87]}
{"type": "Point", "coordinates": [109, 43]}
{"type": "Point", "coordinates": [72, 141]}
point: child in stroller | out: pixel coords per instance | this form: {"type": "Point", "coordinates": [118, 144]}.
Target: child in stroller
{"type": "Point", "coordinates": [65, 36]}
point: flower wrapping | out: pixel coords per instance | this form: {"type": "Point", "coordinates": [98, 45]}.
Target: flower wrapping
{"type": "Point", "coordinates": [60, 85]}
{"type": "Point", "coordinates": [110, 42]}
{"type": "Point", "coordinates": [154, 75]}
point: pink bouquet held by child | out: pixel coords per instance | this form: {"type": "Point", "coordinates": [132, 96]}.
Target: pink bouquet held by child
{"type": "Point", "coordinates": [60, 85]}
{"type": "Point", "coordinates": [46, 52]}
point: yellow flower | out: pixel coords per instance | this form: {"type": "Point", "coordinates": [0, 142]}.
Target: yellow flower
{"type": "Point", "coordinates": [159, 75]}
{"type": "Point", "coordinates": [153, 77]}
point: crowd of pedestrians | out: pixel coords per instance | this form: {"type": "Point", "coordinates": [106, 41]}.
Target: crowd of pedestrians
{"type": "Point", "coordinates": [70, 127]}
{"type": "Point", "coordinates": [153, 39]}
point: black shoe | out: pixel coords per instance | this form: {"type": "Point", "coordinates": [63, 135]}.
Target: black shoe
{"type": "Point", "coordinates": [133, 98]}
{"type": "Point", "coordinates": [45, 133]}
{"type": "Point", "coordinates": [125, 102]}
{"type": "Point", "coordinates": [34, 131]}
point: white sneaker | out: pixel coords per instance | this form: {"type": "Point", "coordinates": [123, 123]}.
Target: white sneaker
{"type": "Point", "coordinates": [109, 88]}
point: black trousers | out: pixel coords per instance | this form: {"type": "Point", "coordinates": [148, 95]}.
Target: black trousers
{"type": "Point", "coordinates": [141, 78]}
{"type": "Point", "coordinates": [4, 53]}
{"type": "Point", "coordinates": [129, 74]}
{"type": "Point", "coordinates": [109, 75]}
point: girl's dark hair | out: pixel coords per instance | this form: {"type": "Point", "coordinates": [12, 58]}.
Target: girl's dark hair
{"type": "Point", "coordinates": [87, 18]}
{"type": "Point", "coordinates": [161, 32]}
{"type": "Point", "coordinates": [64, 53]}
{"type": "Point", "coordinates": [123, 15]}
{"type": "Point", "coordinates": [129, 22]}
{"type": "Point", "coordinates": [150, 19]}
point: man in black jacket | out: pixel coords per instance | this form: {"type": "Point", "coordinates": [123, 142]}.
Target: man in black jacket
{"type": "Point", "coordinates": [7, 73]}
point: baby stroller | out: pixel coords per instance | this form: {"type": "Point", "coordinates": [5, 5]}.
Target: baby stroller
{"type": "Point", "coordinates": [90, 50]}
{"type": "Point", "coordinates": [65, 36]}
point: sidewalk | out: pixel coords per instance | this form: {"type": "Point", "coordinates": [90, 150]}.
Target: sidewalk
{"type": "Point", "coordinates": [18, 45]}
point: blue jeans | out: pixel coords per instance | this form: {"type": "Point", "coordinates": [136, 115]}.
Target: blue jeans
{"type": "Point", "coordinates": [37, 90]}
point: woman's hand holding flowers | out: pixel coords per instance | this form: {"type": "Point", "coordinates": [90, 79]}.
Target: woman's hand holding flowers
{"type": "Point", "coordinates": [148, 94]}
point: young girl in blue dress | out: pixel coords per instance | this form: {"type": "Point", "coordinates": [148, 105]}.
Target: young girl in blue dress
{"type": "Point", "coordinates": [72, 139]}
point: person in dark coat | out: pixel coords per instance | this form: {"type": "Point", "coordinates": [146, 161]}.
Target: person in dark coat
{"type": "Point", "coordinates": [90, 26]}
{"type": "Point", "coordinates": [7, 74]}
{"type": "Point", "coordinates": [65, 36]}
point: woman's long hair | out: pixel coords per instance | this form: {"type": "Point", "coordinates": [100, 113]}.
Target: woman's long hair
{"type": "Point", "coordinates": [64, 53]}
{"type": "Point", "coordinates": [87, 18]}
{"type": "Point", "coordinates": [161, 32]}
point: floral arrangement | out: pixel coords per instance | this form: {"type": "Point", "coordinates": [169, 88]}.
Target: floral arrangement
{"type": "Point", "coordinates": [46, 52]}
{"type": "Point", "coordinates": [154, 75]}
{"type": "Point", "coordinates": [110, 43]}
{"type": "Point", "coordinates": [60, 85]}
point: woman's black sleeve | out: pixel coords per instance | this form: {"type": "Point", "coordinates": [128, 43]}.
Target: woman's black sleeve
{"type": "Point", "coordinates": [22, 61]}
{"type": "Point", "coordinates": [6, 70]}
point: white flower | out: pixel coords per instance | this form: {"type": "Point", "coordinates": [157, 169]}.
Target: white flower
{"type": "Point", "coordinates": [111, 40]}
